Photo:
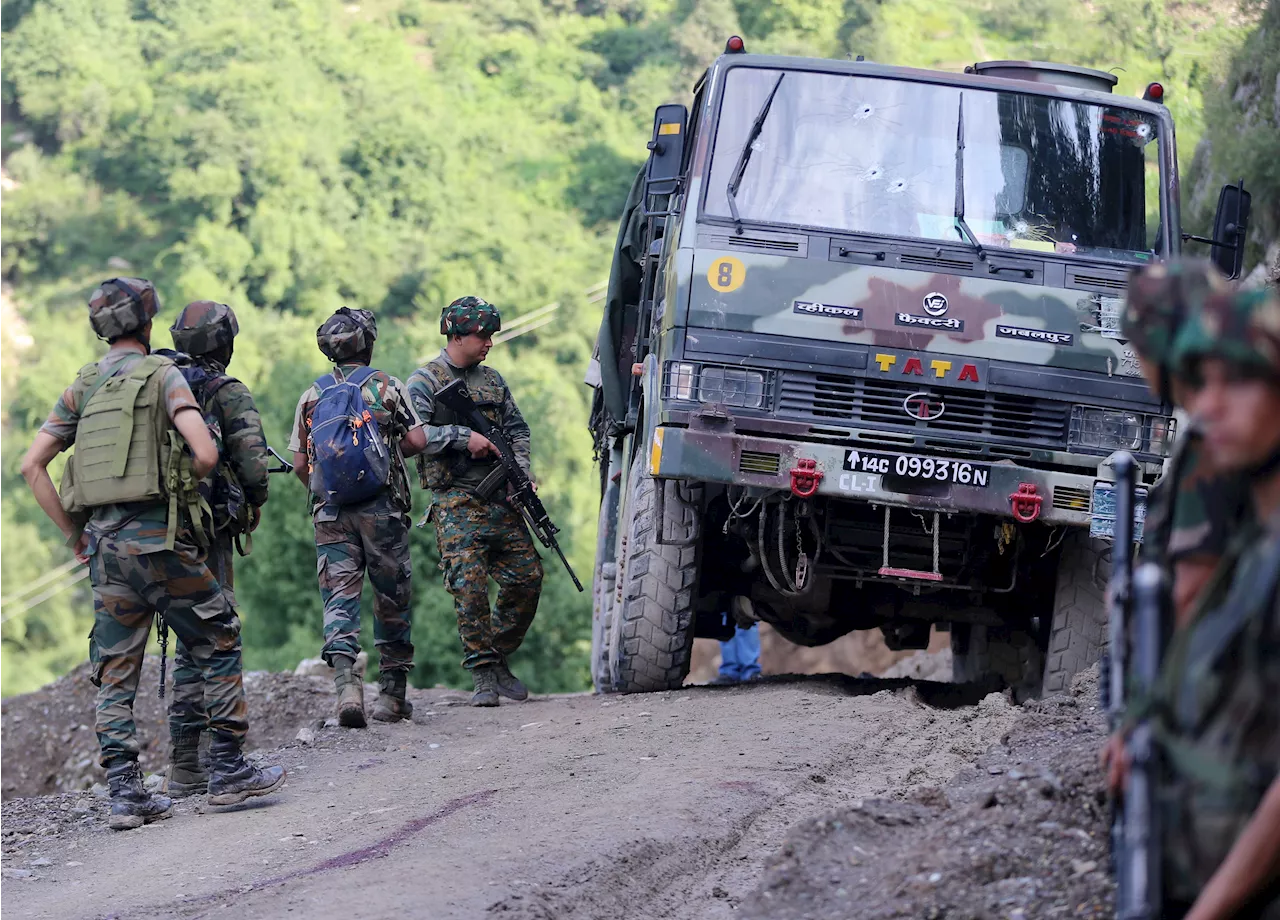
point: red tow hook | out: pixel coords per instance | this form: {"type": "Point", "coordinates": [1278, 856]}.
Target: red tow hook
{"type": "Point", "coordinates": [805, 477]}
{"type": "Point", "coordinates": [1026, 503]}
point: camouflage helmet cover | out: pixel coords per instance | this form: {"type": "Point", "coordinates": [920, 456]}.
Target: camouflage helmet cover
{"type": "Point", "coordinates": [347, 333]}
{"type": "Point", "coordinates": [204, 326]}
{"type": "Point", "coordinates": [1242, 328]}
{"type": "Point", "coordinates": [122, 306]}
{"type": "Point", "coordinates": [470, 315]}
{"type": "Point", "coordinates": [1160, 297]}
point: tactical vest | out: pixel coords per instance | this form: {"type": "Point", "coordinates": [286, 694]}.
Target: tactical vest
{"type": "Point", "coordinates": [127, 450]}
{"type": "Point", "coordinates": [454, 467]}
{"type": "Point", "coordinates": [222, 490]}
{"type": "Point", "coordinates": [1212, 695]}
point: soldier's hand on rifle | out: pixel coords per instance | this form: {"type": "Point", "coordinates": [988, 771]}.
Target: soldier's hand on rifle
{"type": "Point", "coordinates": [479, 446]}
{"type": "Point", "coordinates": [1115, 761]}
{"type": "Point", "coordinates": [255, 517]}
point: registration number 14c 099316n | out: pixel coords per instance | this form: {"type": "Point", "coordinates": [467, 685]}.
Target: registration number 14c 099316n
{"type": "Point", "coordinates": [909, 466]}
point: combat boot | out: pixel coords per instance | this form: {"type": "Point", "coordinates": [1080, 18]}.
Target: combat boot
{"type": "Point", "coordinates": [232, 779]}
{"type": "Point", "coordinates": [486, 686]}
{"type": "Point", "coordinates": [507, 684]}
{"type": "Point", "coordinates": [350, 688]}
{"type": "Point", "coordinates": [391, 705]}
{"type": "Point", "coordinates": [131, 804]}
{"type": "Point", "coordinates": [187, 775]}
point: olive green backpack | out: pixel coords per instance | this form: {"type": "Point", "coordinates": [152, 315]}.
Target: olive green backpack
{"type": "Point", "coordinates": [127, 449]}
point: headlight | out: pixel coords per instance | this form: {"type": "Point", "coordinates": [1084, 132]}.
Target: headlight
{"type": "Point", "coordinates": [682, 381]}
{"type": "Point", "coordinates": [716, 383]}
{"type": "Point", "coordinates": [1112, 429]}
{"type": "Point", "coordinates": [732, 386]}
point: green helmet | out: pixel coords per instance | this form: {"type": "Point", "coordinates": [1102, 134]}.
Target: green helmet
{"type": "Point", "coordinates": [470, 315]}
{"type": "Point", "coordinates": [347, 333]}
{"type": "Point", "coordinates": [1241, 327]}
{"type": "Point", "coordinates": [204, 326]}
{"type": "Point", "coordinates": [1160, 297]}
{"type": "Point", "coordinates": [122, 306]}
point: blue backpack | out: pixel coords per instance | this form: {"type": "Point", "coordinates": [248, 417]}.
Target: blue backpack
{"type": "Point", "coordinates": [349, 460]}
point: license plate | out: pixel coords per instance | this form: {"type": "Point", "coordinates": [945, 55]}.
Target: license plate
{"type": "Point", "coordinates": [1102, 523]}
{"type": "Point", "coordinates": [919, 469]}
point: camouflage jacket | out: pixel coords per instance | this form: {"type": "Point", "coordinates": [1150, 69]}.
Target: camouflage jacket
{"type": "Point", "coordinates": [1193, 511]}
{"type": "Point", "coordinates": [1214, 717]}
{"type": "Point", "coordinates": [244, 443]}
{"type": "Point", "coordinates": [445, 462]}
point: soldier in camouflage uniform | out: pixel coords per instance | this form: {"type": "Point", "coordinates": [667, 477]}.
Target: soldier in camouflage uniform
{"type": "Point", "coordinates": [1213, 710]}
{"type": "Point", "coordinates": [143, 562]}
{"type": "Point", "coordinates": [479, 534]}
{"type": "Point", "coordinates": [1193, 509]}
{"type": "Point", "coordinates": [372, 534]}
{"type": "Point", "coordinates": [206, 331]}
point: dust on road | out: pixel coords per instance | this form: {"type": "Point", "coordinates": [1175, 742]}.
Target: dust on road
{"type": "Point", "coordinates": [663, 805]}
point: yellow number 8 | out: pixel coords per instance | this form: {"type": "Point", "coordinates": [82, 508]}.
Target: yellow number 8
{"type": "Point", "coordinates": [726, 274]}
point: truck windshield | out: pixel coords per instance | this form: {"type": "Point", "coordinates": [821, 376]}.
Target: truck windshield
{"type": "Point", "coordinates": [874, 155]}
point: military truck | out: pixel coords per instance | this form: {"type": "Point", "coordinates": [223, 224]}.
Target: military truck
{"type": "Point", "coordinates": [861, 365]}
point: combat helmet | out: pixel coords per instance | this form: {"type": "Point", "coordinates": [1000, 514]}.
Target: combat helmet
{"type": "Point", "coordinates": [470, 315]}
{"type": "Point", "coordinates": [1159, 298]}
{"type": "Point", "coordinates": [347, 333]}
{"type": "Point", "coordinates": [204, 326]}
{"type": "Point", "coordinates": [1240, 327]}
{"type": "Point", "coordinates": [122, 306]}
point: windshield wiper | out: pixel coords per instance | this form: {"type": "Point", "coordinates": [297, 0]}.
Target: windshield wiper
{"type": "Point", "coordinates": [965, 232]}
{"type": "Point", "coordinates": [735, 178]}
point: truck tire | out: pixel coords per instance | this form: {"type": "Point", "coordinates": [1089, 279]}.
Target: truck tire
{"type": "Point", "coordinates": [1079, 631]}
{"type": "Point", "coordinates": [984, 652]}
{"type": "Point", "coordinates": [651, 631]}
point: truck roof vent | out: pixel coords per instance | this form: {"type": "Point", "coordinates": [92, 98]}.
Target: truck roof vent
{"type": "Point", "coordinates": [1042, 72]}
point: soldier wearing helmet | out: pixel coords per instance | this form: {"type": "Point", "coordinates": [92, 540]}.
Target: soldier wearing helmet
{"type": "Point", "coordinates": [370, 535]}
{"type": "Point", "coordinates": [480, 535]}
{"type": "Point", "coordinates": [1194, 508]}
{"type": "Point", "coordinates": [204, 338]}
{"type": "Point", "coordinates": [126, 506]}
{"type": "Point", "coordinates": [1213, 710]}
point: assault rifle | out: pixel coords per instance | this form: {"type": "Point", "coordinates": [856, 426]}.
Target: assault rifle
{"type": "Point", "coordinates": [522, 494]}
{"type": "Point", "coordinates": [1137, 853]}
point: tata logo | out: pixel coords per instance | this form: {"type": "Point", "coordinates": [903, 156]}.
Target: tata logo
{"type": "Point", "coordinates": [923, 408]}
{"type": "Point", "coordinates": [935, 304]}
{"type": "Point", "coordinates": [940, 368]}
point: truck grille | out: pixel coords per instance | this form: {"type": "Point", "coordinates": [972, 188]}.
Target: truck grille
{"type": "Point", "coordinates": [1029, 421]}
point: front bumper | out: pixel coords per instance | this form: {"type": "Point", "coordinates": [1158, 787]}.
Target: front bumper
{"type": "Point", "coordinates": [1012, 491]}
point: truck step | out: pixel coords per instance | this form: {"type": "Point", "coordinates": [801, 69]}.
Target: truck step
{"type": "Point", "coordinates": [892, 572]}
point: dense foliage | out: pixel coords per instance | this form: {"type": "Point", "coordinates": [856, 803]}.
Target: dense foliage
{"type": "Point", "coordinates": [291, 156]}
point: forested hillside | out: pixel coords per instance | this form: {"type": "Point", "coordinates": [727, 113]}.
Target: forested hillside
{"type": "Point", "coordinates": [291, 156]}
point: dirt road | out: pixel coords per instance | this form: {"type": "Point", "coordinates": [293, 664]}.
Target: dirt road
{"type": "Point", "coordinates": [664, 806]}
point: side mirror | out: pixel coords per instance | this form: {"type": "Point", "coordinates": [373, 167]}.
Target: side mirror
{"type": "Point", "coordinates": [666, 149]}
{"type": "Point", "coordinates": [1229, 226]}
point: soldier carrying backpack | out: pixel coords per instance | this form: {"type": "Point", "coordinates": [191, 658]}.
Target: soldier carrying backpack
{"type": "Point", "coordinates": [204, 338]}
{"type": "Point", "coordinates": [351, 432]}
{"type": "Point", "coordinates": [129, 506]}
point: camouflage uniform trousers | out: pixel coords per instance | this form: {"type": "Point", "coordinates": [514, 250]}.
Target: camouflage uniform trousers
{"type": "Point", "coordinates": [479, 540]}
{"type": "Point", "coordinates": [373, 535]}
{"type": "Point", "coordinates": [128, 590]}
{"type": "Point", "coordinates": [187, 715]}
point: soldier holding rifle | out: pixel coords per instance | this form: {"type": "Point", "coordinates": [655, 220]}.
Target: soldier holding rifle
{"type": "Point", "coordinates": [479, 532]}
{"type": "Point", "coordinates": [1211, 716]}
